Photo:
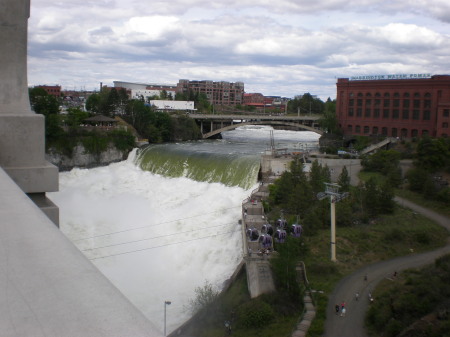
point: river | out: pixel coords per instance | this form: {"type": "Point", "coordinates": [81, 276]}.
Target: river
{"type": "Point", "coordinates": [166, 220]}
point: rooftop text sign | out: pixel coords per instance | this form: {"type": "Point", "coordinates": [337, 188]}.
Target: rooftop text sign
{"type": "Point", "coordinates": [389, 77]}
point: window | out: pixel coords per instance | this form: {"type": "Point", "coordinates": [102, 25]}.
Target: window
{"type": "Point", "coordinates": [367, 112]}
{"type": "Point", "coordinates": [350, 111]}
{"type": "Point", "coordinates": [377, 94]}
{"type": "Point", "coordinates": [368, 94]}
{"type": "Point", "coordinates": [395, 113]}
{"type": "Point", "coordinates": [384, 131]}
{"type": "Point", "coordinates": [396, 103]}
{"type": "Point", "coordinates": [377, 102]}
{"type": "Point", "coordinates": [375, 130]}
{"type": "Point", "coordinates": [396, 95]}
{"type": "Point", "coordinates": [359, 112]}
{"type": "Point", "coordinates": [386, 113]}
{"type": "Point", "coordinates": [416, 114]}
{"type": "Point", "coordinates": [414, 133]}
{"type": "Point", "coordinates": [366, 130]}
{"type": "Point", "coordinates": [426, 115]}
{"type": "Point", "coordinates": [360, 94]}
{"type": "Point", "coordinates": [386, 103]}
{"type": "Point", "coordinates": [359, 102]}
{"type": "Point", "coordinates": [445, 125]}
{"type": "Point", "coordinates": [368, 102]}
{"type": "Point", "coordinates": [394, 132]}
{"type": "Point", "coordinates": [446, 112]}
{"type": "Point", "coordinates": [376, 113]}
{"type": "Point", "coordinates": [427, 104]}
{"type": "Point", "coordinates": [424, 132]}
{"type": "Point", "coordinates": [350, 94]}
{"type": "Point", "coordinates": [387, 95]}
{"type": "Point", "coordinates": [357, 129]}
{"type": "Point", "coordinates": [350, 128]}
{"type": "Point", "coordinates": [404, 133]}
{"type": "Point", "coordinates": [351, 102]}
{"type": "Point", "coordinates": [406, 94]}
{"type": "Point", "coordinates": [405, 114]}
{"type": "Point", "coordinates": [416, 95]}
{"type": "Point", "coordinates": [416, 103]}
{"type": "Point", "coordinates": [406, 103]}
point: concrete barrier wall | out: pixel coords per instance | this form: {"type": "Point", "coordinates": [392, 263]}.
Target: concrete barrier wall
{"type": "Point", "coordinates": [47, 287]}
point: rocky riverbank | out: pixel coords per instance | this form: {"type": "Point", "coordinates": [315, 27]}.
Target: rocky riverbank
{"type": "Point", "coordinates": [81, 158]}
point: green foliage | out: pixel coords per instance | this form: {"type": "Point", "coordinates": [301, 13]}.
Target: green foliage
{"type": "Point", "coordinates": [411, 296]}
{"type": "Point", "coordinates": [305, 104]}
{"type": "Point", "coordinates": [344, 180]}
{"type": "Point", "coordinates": [204, 296]}
{"type": "Point", "coordinates": [95, 143]}
{"type": "Point", "coordinates": [255, 314]}
{"type": "Point", "coordinates": [42, 102]}
{"type": "Point", "coordinates": [122, 140]}
{"type": "Point", "coordinates": [433, 154]}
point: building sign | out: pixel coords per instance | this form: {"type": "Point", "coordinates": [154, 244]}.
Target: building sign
{"type": "Point", "coordinates": [389, 77]}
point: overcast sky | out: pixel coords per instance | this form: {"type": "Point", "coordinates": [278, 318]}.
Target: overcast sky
{"type": "Point", "coordinates": [276, 47]}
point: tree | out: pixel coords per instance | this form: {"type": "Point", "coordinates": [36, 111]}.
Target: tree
{"type": "Point", "coordinates": [433, 154]}
{"type": "Point", "coordinates": [204, 296]}
{"type": "Point", "coordinates": [344, 180]}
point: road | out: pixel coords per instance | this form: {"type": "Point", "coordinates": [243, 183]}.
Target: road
{"type": "Point", "coordinates": [353, 322]}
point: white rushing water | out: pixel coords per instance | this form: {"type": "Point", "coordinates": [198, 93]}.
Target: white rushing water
{"type": "Point", "coordinates": [161, 237]}
{"type": "Point", "coordinates": [158, 238]}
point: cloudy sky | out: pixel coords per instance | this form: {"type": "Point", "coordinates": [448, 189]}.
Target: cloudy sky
{"type": "Point", "coordinates": [276, 47]}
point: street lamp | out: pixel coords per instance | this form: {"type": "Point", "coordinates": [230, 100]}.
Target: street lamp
{"type": "Point", "coordinates": [332, 190]}
{"type": "Point", "coordinates": [166, 303]}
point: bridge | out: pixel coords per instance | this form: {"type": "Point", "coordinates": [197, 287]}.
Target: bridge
{"type": "Point", "coordinates": [212, 125]}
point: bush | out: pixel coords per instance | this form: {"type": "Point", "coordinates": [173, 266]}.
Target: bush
{"type": "Point", "coordinates": [255, 314]}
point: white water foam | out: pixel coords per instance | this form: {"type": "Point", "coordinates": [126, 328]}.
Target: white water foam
{"type": "Point", "coordinates": [161, 238]}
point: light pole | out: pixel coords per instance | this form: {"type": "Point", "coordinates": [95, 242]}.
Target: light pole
{"type": "Point", "coordinates": [166, 303]}
{"type": "Point", "coordinates": [332, 190]}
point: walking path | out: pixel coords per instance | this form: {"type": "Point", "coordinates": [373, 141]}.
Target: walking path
{"type": "Point", "coordinates": [353, 323]}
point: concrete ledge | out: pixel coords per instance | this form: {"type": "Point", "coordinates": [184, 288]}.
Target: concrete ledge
{"type": "Point", "coordinates": [47, 287]}
{"type": "Point", "coordinates": [35, 179]}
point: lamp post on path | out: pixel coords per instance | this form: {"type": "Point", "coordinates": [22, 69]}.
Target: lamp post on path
{"type": "Point", "coordinates": [332, 191]}
{"type": "Point", "coordinates": [166, 303]}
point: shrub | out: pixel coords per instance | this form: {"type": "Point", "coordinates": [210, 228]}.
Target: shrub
{"type": "Point", "coordinates": [255, 314]}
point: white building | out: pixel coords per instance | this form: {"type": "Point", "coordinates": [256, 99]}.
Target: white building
{"type": "Point", "coordinates": [173, 105]}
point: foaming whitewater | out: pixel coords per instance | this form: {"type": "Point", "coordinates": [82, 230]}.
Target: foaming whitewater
{"type": "Point", "coordinates": [155, 238]}
{"type": "Point", "coordinates": [159, 235]}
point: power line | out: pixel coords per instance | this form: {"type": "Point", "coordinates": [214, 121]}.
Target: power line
{"type": "Point", "coordinates": [162, 223]}
{"type": "Point", "coordinates": [169, 244]}
{"type": "Point", "coordinates": [155, 237]}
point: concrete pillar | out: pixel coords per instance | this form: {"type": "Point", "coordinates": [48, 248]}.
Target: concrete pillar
{"type": "Point", "coordinates": [22, 132]}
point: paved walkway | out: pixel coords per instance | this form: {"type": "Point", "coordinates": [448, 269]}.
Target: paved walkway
{"type": "Point", "coordinates": [353, 323]}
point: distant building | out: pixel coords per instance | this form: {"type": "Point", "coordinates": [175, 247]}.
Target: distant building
{"type": "Point", "coordinates": [146, 90]}
{"type": "Point", "coordinates": [168, 105]}
{"type": "Point", "coordinates": [394, 105]}
{"type": "Point", "coordinates": [221, 93]}
{"type": "Point", "coordinates": [54, 90]}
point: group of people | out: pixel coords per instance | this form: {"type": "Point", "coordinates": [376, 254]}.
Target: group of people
{"type": "Point", "coordinates": [341, 309]}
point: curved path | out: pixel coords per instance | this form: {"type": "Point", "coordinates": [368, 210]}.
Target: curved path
{"type": "Point", "coordinates": [353, 322]}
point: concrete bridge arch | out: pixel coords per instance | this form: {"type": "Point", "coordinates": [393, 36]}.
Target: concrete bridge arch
{"type": "Point", "coordinates": [298, 126]}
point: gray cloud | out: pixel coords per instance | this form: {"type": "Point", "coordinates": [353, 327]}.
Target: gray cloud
{"type": "Point", "coordinates": [277, 48]}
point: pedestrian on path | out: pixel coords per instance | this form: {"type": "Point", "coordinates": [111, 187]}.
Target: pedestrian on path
{"type": "Point", "coordinates": [337, 308]}
{"type": "Point", "coordinates": [343, 312]}
{"type": "Point", "coordinates": [356, 296]}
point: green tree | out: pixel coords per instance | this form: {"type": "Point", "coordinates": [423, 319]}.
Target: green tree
{"type": "Point", "coordinates": [344, 180]}
{"type": "Point", "coordinates": [433, 154]}
{"type": "Point", "coordinates": [93, 103]}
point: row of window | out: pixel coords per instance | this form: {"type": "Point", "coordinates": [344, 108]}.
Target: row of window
{"type": "Point", "coordinates": [388, 113]}
{"type": "Point", "coordinates": [396, 103]}
{"type": "Point", "coordinates": [387, 94]}
{"type": "Point", "coordinates": [395, 132]}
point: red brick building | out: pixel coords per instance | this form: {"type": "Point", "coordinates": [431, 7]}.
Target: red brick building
{"type": "Point", "coordinates": [54, 90]}
{"type": "Point", "coordinates": [394, 105]}
{"type": "Point", "coordinates": [222, 93]}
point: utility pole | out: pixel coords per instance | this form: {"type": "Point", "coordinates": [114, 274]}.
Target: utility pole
{"type": "Point", "coordinates": [332, 191]}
